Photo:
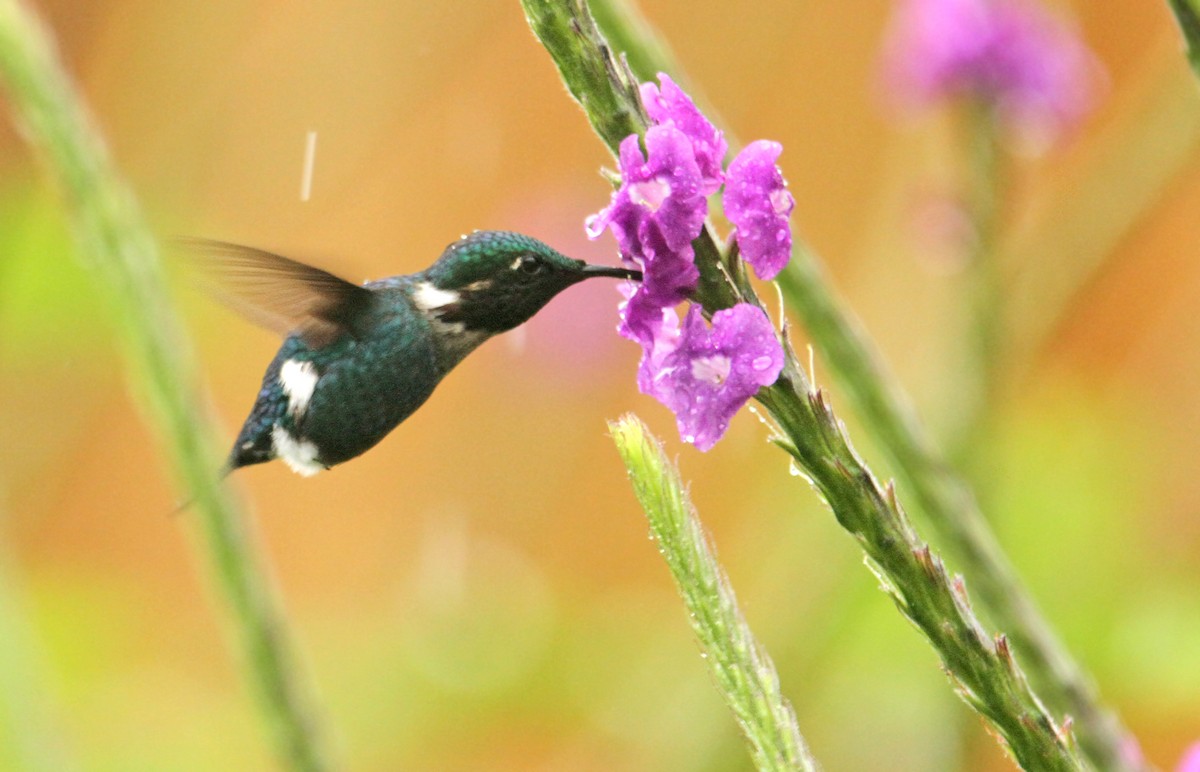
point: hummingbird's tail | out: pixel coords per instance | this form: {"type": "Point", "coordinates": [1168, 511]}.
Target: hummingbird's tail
{"type": "Point", "coordinates": [238, 458]}
{"type": "Point", "coordinates": [188, 502]}
{"type": "Point", "coordinates": [248, 451]}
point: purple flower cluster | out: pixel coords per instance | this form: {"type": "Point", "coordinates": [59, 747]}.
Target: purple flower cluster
{"type": "Point", "coordinates": [703, 374]}
{"type": "Point", "coordinates": [1029, 66]}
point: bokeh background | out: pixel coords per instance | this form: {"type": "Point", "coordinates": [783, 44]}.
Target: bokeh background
{"type": "Point", "coordinates": [479, 592]}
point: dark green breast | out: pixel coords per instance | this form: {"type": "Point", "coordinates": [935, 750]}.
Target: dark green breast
{"type": "Point", "coordinates": [365, 384]}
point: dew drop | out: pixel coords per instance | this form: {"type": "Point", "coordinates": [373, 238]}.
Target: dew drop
{"type": "Point", "coordinates": [761, 363]}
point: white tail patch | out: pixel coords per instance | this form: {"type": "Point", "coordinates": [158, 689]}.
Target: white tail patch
{"type": "Point", "coordinates": [430, 298]}
{"type": "Point", "coordinates": [299, 455]}
{"type": "Point", "coordinates": [298, 379]}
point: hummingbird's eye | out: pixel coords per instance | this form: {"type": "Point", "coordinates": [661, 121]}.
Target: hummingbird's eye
{"type": "Point", "coordinates": [530, 265]}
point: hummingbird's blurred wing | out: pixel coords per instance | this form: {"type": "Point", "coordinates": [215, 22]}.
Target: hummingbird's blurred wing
{"type": "Point", "coordinates": [279, 293]}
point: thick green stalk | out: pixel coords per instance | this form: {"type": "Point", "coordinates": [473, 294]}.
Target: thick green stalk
{"type": "Point", "coordinates": [941, 493]}
{"type": "Point", "coordinates": [125, 259]}
{"type": "Point", "coordinates": [986, 675]}
{"type": "Point", "coordinates": [1187, 13]}
{"type": "Point", "coordinates": [924, 472]}
{"type": "Point", "coordinates": [600, 82]}
{"type": "Point", "coordinates": [741, 667]}
{"type": "Point", "coordinates": [982, 668]}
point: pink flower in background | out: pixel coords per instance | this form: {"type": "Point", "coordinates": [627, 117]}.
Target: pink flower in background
{"type": "Point", "coordinates": [1014, 56]}
{"type": "Point", "coordinates": [1191, 759]}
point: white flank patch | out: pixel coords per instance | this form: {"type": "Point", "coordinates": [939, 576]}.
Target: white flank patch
{"type": "Point", "coordinates": [448, 328]}
{"type": "Point", "coordinates": [298, 380]}
{"type": "Point", "coordinates": [300, 455]}
{"type": "Point", "coordinates": [429, 298]}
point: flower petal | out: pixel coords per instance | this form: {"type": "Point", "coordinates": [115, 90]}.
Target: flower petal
{"type": "Point", "coordinates": [705, 375]}
{"type": "Point", "coordinates": [758, 203]}
{"type": "Point", "coordinates": [671, 106]}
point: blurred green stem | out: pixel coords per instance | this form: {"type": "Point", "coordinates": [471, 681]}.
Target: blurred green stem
{"type": "Point", "coordinates": [985, 283]}
{"type": "Point", "coordinates": [124, 256]}
{"type": "Point", "coordinates": [742, 669]}
{"type": "Point", "coordinates": [937, 489]}
{"type": "Point", "coordinates": [1187, 13]}
{"type": "Point", "coordinates": [25, 704]}
{"type": "Point", "coordinates": [983, 670]}
{"type": "Point", "coordinates": [1147, 143]}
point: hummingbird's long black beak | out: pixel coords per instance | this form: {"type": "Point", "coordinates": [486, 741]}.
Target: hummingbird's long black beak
{"type": "Point", "coordinates": [616, 273]}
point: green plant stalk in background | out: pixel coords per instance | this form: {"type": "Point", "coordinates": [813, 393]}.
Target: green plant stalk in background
{"type": "Point", "coordinates": [982, 669]}
{"type": "Point", "coordinates": [1147, 144]}
{"type": "Point", "coordinates": [125, 261]}
{"type": "Point", "coordinates": [743, 671]}
{"type": "Point", "coordinates": [37, 744]}
{"type": "Point", "coordinates": [985, 284]}
{"type": "Point", "coordinates": [925, 474]}
{"type": "Point", "coordinates": [1187, 13]}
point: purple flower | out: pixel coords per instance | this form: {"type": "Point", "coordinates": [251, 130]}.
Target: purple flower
{"type": "Point", "coordinates": [664, 283]}
{"type": "Point", "coordinates": [1029, 66]}
{"type": "Point", "coordinates": [705, 375]}
{"type": "Point", "coordinates": [654, 216]}
{"type": "Point", "coordinates": [758, 203]}
{"type": "Point", "coordinates": [662, 188]}
{"type": "Point", "coordinates": [670, 106]}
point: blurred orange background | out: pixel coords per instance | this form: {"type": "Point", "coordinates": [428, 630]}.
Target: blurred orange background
{"type": "Point", "coordinates": [479, 592]}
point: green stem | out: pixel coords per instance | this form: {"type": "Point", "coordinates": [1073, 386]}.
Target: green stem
{"type": "Point", "coordinates": [1147, 145]}
{"type": "Point", "coordinates": [936, 488]}
{"type": "Point", "coordinates": [37, 740]}
{"type": "Point", "coordinates": [986, 291]}
{"type": "Point", "coordinates": [1187, 13]}
{"type": "Point", "coordinates": [741, 667]}
{"type": "Point", "coordinates": [946, 498]}
{"type": "Point", "coordinates": [125, 258]}
{"type": "Point", "coordinates": [984, 671]}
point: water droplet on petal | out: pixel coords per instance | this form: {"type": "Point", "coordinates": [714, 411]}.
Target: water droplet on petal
{"type": "Point", "coordinates": [761, 363]}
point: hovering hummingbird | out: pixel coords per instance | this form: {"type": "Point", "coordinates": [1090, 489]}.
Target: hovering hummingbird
{"type": "Point", "coordinates": [359, 359]}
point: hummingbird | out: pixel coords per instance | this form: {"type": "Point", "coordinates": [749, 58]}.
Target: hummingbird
{"type": "Point", "coordinates": [357, 360]}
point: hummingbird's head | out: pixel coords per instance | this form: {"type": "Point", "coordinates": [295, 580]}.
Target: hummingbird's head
{"type": "Point", "coordinates": [492, 281]}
